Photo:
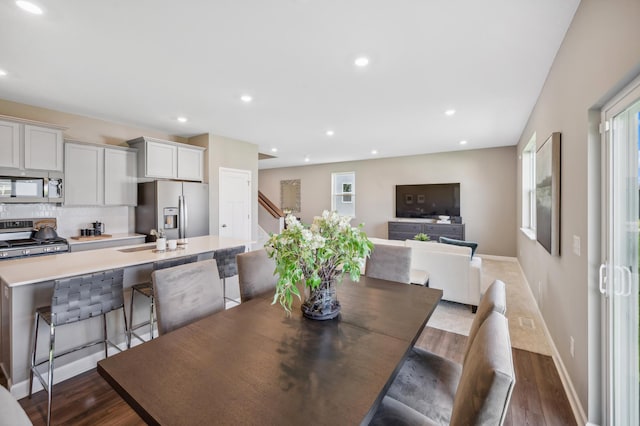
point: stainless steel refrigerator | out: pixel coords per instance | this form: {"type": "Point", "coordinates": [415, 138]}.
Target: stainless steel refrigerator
{"type": "Point", "coordinates": [181, 209]}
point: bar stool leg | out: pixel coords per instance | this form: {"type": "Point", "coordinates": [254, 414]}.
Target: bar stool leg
{"type": "Point", "coordinates": [129, 330]}
{"type": "Point", "coordinates": [52, 345]}
{"type": "Point", "coordinates": [33, 352]}
{"type": "Point", "coordinates": [126, 326]}
{"type": "Point", "coordinates": [152, 312]}
{"type": "Point", "coordinates": [104, 335]}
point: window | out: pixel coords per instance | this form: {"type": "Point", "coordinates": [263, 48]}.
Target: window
{"type": "Point", "coordinates": [343, 193]}
{"type": "Point", "coordinates": [529, 188]}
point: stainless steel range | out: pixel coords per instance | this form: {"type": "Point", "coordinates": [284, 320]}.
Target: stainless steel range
{"type": "Point", "coordinates": [18, 238]}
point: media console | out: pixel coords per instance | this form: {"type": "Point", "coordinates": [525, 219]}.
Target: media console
{"type": "Point", "coordinates": [407, 229]}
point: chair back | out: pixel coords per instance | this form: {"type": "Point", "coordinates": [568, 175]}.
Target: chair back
{"type": "Point", "coordinates": [85, 296]}
{"type": "Point", "coordinates": [494, 300]}
{"type": "Point", "coordinates": [389, 262]}
{"type": "Point", "coordinates": [170, 263]}
{"type": "Point", "coordinates": [488, 377]}
{"type": "Point", "coordinates": [186, 293]}
{"type": "Point", "coordinates": [226, 261]}
{"type": "Point", "coordinates": [256, 273]}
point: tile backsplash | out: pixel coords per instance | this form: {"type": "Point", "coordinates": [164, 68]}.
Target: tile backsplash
{"type": "Point", "coordinates": [70, 220]}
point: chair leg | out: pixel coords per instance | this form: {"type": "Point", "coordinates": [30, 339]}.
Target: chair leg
{"type": "Point", "coordinates": [129, 330]}
{"type": "Point", "coordinates": [224, 289]}
{"type": "Point", "coordinates": [126, 327]}
{"type": "Point", "coordinates": [36, 322]}
{"type": "Point", "coordinates": [52, 345]}
{"type": "Point", "coordinates": [152, 313]}
{"type": "Point", "coordinates": [104, 334]}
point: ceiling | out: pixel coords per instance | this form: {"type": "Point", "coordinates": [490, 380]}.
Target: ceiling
{"type": "Point", "coordinates": [147, 62]}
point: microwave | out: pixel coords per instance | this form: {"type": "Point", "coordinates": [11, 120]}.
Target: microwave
{"type": "Point", "coordinates": [23, 189]}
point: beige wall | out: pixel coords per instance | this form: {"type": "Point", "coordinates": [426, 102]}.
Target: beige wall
{"type": "Point", "coordinates": [487, 191]}
{"type": "Point", "coordinates": [82, 128]}
{"type": "Point", "coordinates": [600, 53]}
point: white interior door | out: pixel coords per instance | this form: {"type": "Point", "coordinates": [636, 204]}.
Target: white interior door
{"type": "Point", "coordinates": [235, 203]}
{"type": "Point", "coordinates": [619, 273]}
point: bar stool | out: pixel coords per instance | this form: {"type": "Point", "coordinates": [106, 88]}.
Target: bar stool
{"type": "Point", "coordinates": [227, 266]}
{"type": "Point", "coordinates": [146, 289]}
{"type": "Point", "coordinates": [75, 299]}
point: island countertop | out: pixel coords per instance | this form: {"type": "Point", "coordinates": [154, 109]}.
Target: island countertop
{"type": "Point", "coordinates": [29, 270]}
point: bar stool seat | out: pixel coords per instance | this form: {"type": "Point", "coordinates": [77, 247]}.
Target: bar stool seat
{"type": "Point", "coordinates": [146, 289]}
{"type": "Point", "coordinates": [76, 299]}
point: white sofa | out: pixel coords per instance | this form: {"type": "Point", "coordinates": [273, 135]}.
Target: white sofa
{"type": "Point", "coordinates": [449, 268]}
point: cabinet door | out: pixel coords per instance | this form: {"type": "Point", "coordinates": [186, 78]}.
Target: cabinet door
{"type": "Point", "coordinates": [190, 164]}
{"type": "Point", "coordinates": [9, 144]}
{"type": "Point", "coordinates": [161, 160]}
{"type": "Point", "coordinates": [84, 175]}
{"type": "Point", "coordinates": [120, 177]}
{"type": "Point", "coordinates": [43, 148]}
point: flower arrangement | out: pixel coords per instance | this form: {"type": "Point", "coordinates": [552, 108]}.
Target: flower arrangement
{"type": "Point", "coordinates": [158, 234]}
{"type": "Point", "coordinates": [317, 255]}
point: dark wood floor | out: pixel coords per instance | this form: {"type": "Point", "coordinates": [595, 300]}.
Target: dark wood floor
{"type": "Point", "coordinates": [538, 397]}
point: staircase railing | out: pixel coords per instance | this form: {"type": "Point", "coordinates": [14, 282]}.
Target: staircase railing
{"type": "Point", "coordinates": [268, 205]}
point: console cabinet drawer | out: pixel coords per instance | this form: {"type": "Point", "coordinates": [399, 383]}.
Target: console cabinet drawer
{"type": "Point", "coordinates": [408, 230]}
{"type": "Point", "coordinates": [416, 228]}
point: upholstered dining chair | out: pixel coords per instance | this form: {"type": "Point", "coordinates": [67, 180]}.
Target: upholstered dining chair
{"type": "Point", "coordinates": [146, 289]}
{"type": "Point", "coordinates": [478, 393]}
{"type": "Point", "coordinates": [256, 273]}
{"type": "Point", "coordinates": [76, 299]}
{"type": "Point", "coordinates": [389, 262]}
{"type": "Point", "coordinates": [227, 265]}
{"type": "Point", "coordinates": [186, 293]}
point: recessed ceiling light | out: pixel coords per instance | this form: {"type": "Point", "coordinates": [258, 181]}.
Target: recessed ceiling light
{"type": "Point", "coordinates": [274, 149]}
{"type": "Point", "coordinates": [330, 133]}
{"type": "Point", "coordinates": [29, 7]}
{"type": "Point", "coordinates": [3, 73]}
{"type": "Point", "coordinates": [246, 98]}
{"type": "Point", "coordinates": [182, 119]}
{"type": "Point", "coordinates": [307, 159]}
{"type": "Point", "coordinates": [362, 61]}
{"type": "Point", "coordinates": [463, 142]}
{"type": "Point", "coordinates": [450, 112]}
{"type": "Point", "coordinates": [374, 151]}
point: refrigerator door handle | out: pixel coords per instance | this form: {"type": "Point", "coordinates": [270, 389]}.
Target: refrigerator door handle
{"type": "Point", "coordinates": [182, 218]}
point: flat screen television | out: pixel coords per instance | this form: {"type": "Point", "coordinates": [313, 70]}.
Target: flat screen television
{"type": "Point", "coordinates": [428, 200]}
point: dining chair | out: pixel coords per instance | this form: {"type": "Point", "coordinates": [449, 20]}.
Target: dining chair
{"type": "Point", "coordinates": [146, 289]}
{"type": "Point", "coordinates": [186, 293]}
{"type": "Point", "coordinates": [256, 273]}
{"type": "Point", "coordinates": [12, 412]}
{"type": "Point", "coordinates": [389, 262]}
{"type": "Point", "coordinates": [227, 265]}
{"type": "Point", "coordinates": [479, 393]}
{"type": "Point", "coordinates": [76, 299]}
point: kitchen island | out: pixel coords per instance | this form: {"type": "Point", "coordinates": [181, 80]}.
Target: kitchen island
{"type": "Point", "coordinates": [27, 283]}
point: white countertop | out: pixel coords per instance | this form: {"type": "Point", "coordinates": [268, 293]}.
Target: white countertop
{"type": "Point", "coordinates": [114, 237]}
{"type": "Point", "coordinates": [35, 269]}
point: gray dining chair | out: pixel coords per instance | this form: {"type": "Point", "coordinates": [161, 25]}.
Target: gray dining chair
{"type": "Point", "coordinates": [256, 273]}
{"type": "Point", "coordinates": [146, 289]}
{"type": "Point", "coordinates": [478, 393]}
{"type": "Point", "coordinates": [76, 299]}
{"type": "Point", "coordinates": [186, 293]}
{"type": "Point", "coordinates": [389, 262]}
{"type": "Point", "coordinates": [227, 265]}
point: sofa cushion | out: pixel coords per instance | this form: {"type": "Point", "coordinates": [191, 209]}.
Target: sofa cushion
{"type": "Point", "coordinates": [472, 245]}
{"type": "Point", "coordinates": [392, 412]}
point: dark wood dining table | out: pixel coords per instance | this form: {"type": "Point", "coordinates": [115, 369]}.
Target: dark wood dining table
{"type": "Point", "coordinates": [252, 364]}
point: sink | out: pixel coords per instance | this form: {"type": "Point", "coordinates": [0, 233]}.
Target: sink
{"type": "Point", "coordinates": [134, 249]}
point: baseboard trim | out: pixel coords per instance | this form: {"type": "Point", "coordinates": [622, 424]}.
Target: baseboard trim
{"type": "Point", "coordinates": [567, 384]}
{"type": "Point", "coordinates": [501, 258]}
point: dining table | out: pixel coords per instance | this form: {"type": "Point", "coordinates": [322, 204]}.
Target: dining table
{"type": "Point", "coordinates": [254, 364]}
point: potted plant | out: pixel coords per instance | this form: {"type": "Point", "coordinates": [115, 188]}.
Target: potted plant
{"type": "Point", "coordinates": [318, 255]}
{"type": "Point", "coordinates": [161, 240]}
{"type": "Point", "coordinates": [422, 237]}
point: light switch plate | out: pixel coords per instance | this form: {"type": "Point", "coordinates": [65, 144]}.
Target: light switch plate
{"type": "Point", "coordinates": [576, 245]}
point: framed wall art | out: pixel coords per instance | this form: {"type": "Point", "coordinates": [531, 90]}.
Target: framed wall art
{"type": "Point", "coordinates": [548, 194]}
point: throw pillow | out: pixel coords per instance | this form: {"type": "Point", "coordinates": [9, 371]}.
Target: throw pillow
{"type": "Point", "coordinates": [454, 242]}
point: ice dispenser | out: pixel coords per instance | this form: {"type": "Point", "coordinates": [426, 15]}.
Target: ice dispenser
{"type": "Point", "coordinates": [170, 215]}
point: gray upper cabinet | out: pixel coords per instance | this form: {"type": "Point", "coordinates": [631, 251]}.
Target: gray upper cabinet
{"type": "Point", "coordinates": [97, 175]}
{"type": "Point", "coordinates": [159, 159]}
{"type": "Point", "coordinates": [28, 145]}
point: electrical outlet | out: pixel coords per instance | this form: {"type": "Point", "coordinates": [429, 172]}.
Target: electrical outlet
{"type": "Point", "coordinates": [572, 347]}
{"type": "Point", "coordinates": [576, 245]}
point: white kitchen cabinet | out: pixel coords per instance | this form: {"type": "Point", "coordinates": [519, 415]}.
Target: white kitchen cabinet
{"type": "Point", "coordinates": [9, 144]}
{"type": "Point", "coordinates": [159, 159]}
{"type": "Point", "coordinates": [120, 177]}
{"type": "Point", "coordinates": [30, 145]}
{"type": "Point", "coordinates": [190, 163]}
{"type": "Point", "coordinates": [83, 175]}
{"type": "Point", "coordinates": [43, 148]}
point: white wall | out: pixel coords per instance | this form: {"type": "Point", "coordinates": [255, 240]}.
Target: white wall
{"type": "Point", "coordinates": [600, 53]}
{"type": "Point", "coordinates": [487, 191]}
